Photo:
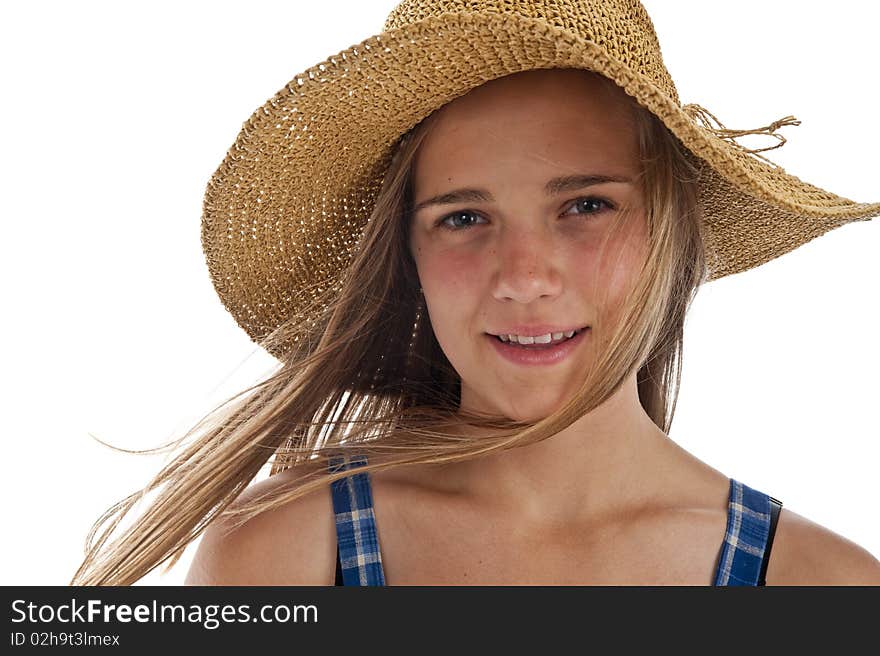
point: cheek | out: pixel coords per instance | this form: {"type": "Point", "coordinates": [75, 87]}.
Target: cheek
{"type": "Point", "coordinates": [449, 274]}
{"type": "Point", "coordinates": [616, 271]}
{"type": "Point", "coordinates": [452, 292]}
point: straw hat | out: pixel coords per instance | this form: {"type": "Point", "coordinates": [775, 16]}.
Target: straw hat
{"type": "Point", "coordinates": [285, 208]}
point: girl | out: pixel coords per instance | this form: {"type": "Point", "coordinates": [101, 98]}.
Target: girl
{"type": "Point", "coordinates": [472, 241]}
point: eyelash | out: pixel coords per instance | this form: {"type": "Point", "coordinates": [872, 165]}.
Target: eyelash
{"type": "Point", "coordinates": [441, 222]}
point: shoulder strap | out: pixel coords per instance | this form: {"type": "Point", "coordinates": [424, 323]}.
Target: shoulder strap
{"type": "Point", "coordinates": [747, 539]}
{"type": "Point", "coordinates": [339, 579]}
{"type": "Point", "coordinates": [775, 507]}
{"type": "Point", "coordinates": [358, 554]}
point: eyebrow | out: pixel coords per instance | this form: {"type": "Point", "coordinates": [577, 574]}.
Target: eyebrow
{"type": "Point", "coordinates": [554, 186]}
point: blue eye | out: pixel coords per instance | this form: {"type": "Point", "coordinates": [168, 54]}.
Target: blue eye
{"type": "Point", "coordinates": [590, 201]}
{"type": "Point", "coordinates": [456, 215]}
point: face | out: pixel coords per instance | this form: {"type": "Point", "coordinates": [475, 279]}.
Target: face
{"type": "Point", "coordinates": [520, 252]}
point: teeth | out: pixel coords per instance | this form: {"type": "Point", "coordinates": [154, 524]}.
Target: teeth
{"type": "Point", "coordinates": [538, 339]}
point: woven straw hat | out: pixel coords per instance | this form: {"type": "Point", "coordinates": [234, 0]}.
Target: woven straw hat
{"type": "Point", "coordinates": [285, 208]}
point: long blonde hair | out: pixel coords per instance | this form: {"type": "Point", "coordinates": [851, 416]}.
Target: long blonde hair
{"type": "Point", "coordinates": [366, 375]}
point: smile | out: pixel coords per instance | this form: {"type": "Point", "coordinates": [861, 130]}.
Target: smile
{"type": "Point", "coordinates": [538, 354]}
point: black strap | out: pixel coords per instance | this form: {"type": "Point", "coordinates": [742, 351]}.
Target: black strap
{"type": "Point", "coordinates": [338, 569]}
{"type": "Point", "coordinates": [775, 507]}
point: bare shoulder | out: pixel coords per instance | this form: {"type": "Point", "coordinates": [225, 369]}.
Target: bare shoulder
{"type": "Point", "coordinates": [294, 544]}
{"type": "Point", "coordinates": [806, 553]}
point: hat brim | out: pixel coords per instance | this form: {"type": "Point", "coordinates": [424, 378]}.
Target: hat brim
{"type": "Point", "coordinates": [293, 193]}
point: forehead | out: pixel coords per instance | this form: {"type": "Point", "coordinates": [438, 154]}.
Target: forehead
{"type": "Point", "coordinates": [552, 120]}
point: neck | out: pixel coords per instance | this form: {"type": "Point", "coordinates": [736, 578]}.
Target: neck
{"type": "Point", "coordinates": [610, 460]}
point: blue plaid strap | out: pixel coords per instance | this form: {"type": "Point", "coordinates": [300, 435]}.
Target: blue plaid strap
{"type": "Point", "coordinates": [748, 529]}
{"type": "Point", "coordinates": [356, 535]}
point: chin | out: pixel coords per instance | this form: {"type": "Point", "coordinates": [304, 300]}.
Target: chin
{"type": "Point", "coordinates": [531, 410]}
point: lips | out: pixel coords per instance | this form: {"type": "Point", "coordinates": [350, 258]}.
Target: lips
{"type": "Point", "coordinates": [542, 354]}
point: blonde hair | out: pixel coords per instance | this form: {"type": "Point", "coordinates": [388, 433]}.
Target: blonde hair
{"type": "Point", "coordinates": [366, 375]}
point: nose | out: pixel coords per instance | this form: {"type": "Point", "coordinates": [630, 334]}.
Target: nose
{"type": "Point", "coordinates": [525, 263]}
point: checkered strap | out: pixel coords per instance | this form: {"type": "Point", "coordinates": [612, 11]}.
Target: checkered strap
{"type": "Point", "coordinates": [359, 555]}
{"type": "Point", "coordinates": [747, 539]}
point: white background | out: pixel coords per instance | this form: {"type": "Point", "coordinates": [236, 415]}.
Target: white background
{"type": "Point", "coordinates": [115, 115]}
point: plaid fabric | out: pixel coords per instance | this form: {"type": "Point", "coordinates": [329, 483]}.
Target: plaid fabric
{"type": "Point", "coordinates": [358, 542]}
{"type": "Point", "coordinates": [748, 526]}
